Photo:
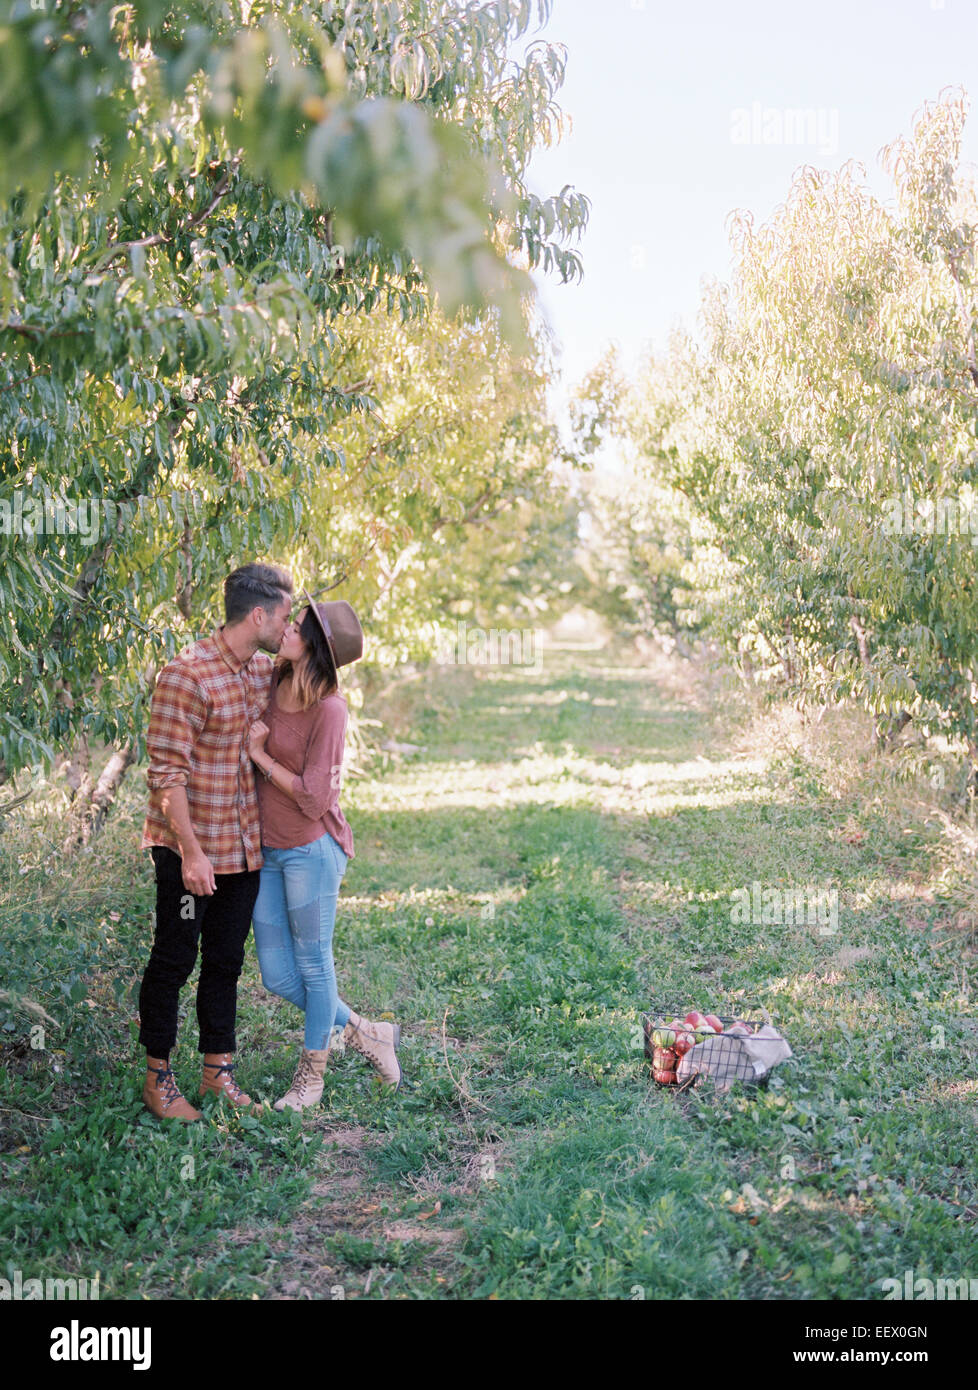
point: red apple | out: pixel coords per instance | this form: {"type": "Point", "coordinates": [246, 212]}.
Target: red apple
{"type": "Point", "coordinates": [714, 1023]}
{"type": "Point", "coordinates": [664, 1078]}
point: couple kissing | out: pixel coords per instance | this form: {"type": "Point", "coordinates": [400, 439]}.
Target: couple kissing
{"type": "Point", "coordinates": [244, 824]}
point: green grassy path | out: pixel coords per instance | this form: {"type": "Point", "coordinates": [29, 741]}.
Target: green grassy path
{"type": "Point", "coordinates": [564, 847]}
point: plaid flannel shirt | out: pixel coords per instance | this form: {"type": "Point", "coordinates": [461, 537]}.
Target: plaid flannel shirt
{"type": "Point", "coordinates": [204, 703]}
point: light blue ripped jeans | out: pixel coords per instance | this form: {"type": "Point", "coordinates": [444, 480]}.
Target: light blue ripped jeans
{"type": "Point", "coordinates": [293, 918]}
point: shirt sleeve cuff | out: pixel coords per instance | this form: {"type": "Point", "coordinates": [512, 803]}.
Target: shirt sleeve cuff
{"type": "Point", "coordinates": [158, 780]}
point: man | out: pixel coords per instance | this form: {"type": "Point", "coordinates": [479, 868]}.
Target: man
{"type": "Point", "coordinates": [203, 831]}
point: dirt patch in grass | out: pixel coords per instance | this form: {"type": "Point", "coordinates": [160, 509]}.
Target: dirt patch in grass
{"type": "Point", "coordinates": [353, 1230]}
{"type": "Point", "coordinates": [413, 1230]}
{"type": "Point", "coordinates": [848, 955]}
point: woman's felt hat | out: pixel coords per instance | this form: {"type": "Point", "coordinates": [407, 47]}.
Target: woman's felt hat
{"type": "Point", "coordinates": [341, 628]}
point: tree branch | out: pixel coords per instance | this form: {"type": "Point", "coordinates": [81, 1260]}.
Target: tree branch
{"type": "Point", "coordinates": [22, 380]}
{"type": "Point", "coordinates": [26, 330]}
{"type": "Point", "coordinates": [121, 248]}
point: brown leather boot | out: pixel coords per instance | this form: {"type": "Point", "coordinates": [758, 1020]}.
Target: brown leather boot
{"type": "Point", "coordinates": [161, 1094]}
{"type": "Point", "coordinates": [219, 1077]}
{"type": "Point", "coordinates": [307, 1084]}
{"type": "Point", "coordinates": [378, 1043]}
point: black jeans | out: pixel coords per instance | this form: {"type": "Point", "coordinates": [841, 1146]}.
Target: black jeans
{"type": "Point", "coordinates": [221, 923]}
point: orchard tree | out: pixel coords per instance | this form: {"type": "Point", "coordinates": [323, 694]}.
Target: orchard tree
{"type": "Point", "coordinates": [198, 205]}
{"type": "Point", "coordinates": [452, 496]}
{"type": "Point", "coordinates": [826, 425]}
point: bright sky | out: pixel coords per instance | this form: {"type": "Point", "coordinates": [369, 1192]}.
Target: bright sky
{"type": "Point", "coordinates": [653, 89]}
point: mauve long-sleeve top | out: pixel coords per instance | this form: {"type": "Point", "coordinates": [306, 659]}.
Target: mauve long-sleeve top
{"type": "Point", "coordinates": [309, 744]}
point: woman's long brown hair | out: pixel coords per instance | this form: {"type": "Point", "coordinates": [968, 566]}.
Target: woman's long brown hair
{"type": "Point", "coordinates": [316, 677]}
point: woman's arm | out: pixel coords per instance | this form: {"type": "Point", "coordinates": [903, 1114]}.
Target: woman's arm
{"type": "Point", "coordinates": [280, 776]}
{"type": "Point", "coordinates": [316, 790]}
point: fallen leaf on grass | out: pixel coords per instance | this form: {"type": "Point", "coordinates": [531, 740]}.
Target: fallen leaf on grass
{"type": "Point", "coordinates": [749, 1200]}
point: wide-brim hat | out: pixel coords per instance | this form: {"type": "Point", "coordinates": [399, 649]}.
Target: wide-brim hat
{"type": "Point", "coordinates": [341, 628]}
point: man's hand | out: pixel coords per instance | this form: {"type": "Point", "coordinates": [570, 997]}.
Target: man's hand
{"type": "Point", "coordinates": [197, 869]}
{"type": "Point", "coordinates": [198, 874]}
{"type": "Point", "coordinates": [256, 738]}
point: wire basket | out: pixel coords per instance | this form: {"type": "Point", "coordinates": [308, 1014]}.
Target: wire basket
{"type": "Point", "coordinates": [721, 1054]}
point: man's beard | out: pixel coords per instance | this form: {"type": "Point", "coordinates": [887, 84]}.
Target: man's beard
{"type": "Point", "coordinates": [264, 645]}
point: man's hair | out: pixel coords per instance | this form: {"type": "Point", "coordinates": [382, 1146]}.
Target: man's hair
{"type": "Point", "coordinates": [255, 586]}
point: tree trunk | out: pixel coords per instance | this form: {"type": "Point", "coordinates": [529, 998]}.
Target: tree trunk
{"type": "Point", "coordinates": [185, 593]}
{"type": "Point", "coordinates": [75, 766]}
{"type": "Point", "coordinates": [889, 730]}
{"type": "Point", "coordinates": [862, 644]}
{"type": "Point", "coordinates": [788, 657]}
{"type": "Point", "coordinates": [89, 812]}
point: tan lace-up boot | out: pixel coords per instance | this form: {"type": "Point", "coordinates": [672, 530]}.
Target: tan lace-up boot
{"type": "Point", "coordinates": [219, 1077]}
{"type": "Point", "coordinates": [161, 1094]}
{"type": "Point", "coordinates": [307, 1084]}
{"type": "Point", "coordinates": [378, 1043]}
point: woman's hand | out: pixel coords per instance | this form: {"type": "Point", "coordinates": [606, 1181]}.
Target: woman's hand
{"type": "Point", "coordinates": [256, 738]}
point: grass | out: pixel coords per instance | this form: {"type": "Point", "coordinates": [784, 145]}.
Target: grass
{"type": "Point", "coordinates": [563, 849]}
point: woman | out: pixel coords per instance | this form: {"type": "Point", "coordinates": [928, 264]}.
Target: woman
{"type": "Point", "coordinates": [306, 844]}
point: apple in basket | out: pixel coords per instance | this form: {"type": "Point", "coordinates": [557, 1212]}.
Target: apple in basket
{"type": "Point", "coordinates": [748, 1029]}
{"type": "Point", "coordinates": [701, 1029]}
{"type": "Point", "coordinates": [664, 1078]}
{"type": "Point", "coordinates": [664, 1037]}
{"type": "Point", "coordinates": [714, 1023]}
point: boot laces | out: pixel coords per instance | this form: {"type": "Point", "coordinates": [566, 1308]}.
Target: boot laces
{"type": "Point", "coordinates": [371, 1046]}
{"type": "Point", "coordinates": [230, 1085]}
{"type": "Point", "coordinates": [304, 1075]}
{"type": "Point", "coordinates": [366, 1040]}
{"type": "Point", "coordinates": [166, 1084]}
{"type": "Point", "coordinates": [362, 1044]}
{"type": "Point", "coordinates": [362, 1040]}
